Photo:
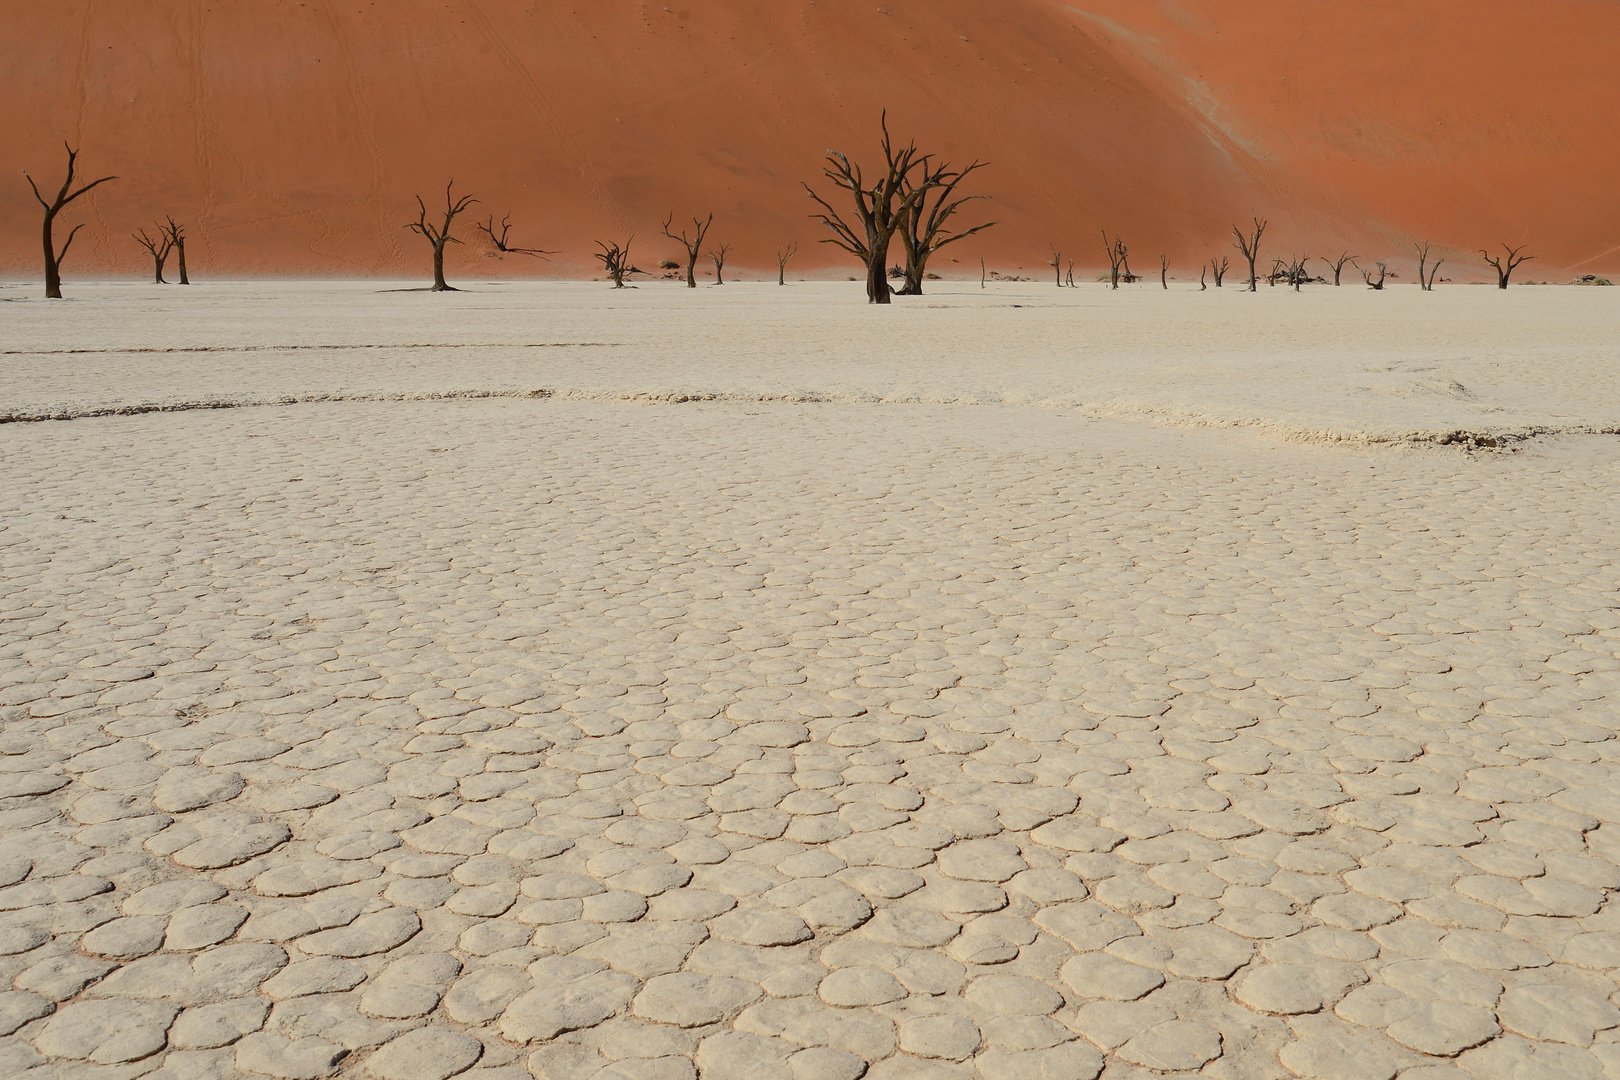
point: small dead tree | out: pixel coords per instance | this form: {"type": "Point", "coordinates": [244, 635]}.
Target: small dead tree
{"type": "Point", "coordinates": [1070, 281]}
{"type": "Point", "coordinates": [1116, 258]}
{"type": "Point", "coordinates": [693, 246]}
{"type": "Point", "coordinates": [1338, 264]}
{"type": "Point", "coordinates": [718, 257]}
{"type": "Point", "coordinates": [1202, 271]}
{"type": "Point", "coordinates": [439, 234]}
{"type": "Point", "coordinates": [616, 261]}
{"type": "Point", "coordinates": [1164, 271]}
{"type": "Point", "coordinates": [53, 257]}
{"type": "Point", "coordinates": [983, 274]}
{"type": "Point", "coordinates": [177, 238]}
{"type": "Point", "coordinates": [879, 209]}
{"type": "Point", "coordinates": [1250, 246]}
{"type": "Point", "coordinates": [1368, 278]}
{"type": "Point", "coordinates": [1505, 266]}
{"type": "Point", "coordinates": [501, 242]}
{"type": "Point", "coordinates": [1279, 271]}
{"type": "Point", "coordinates": [1218, 269]}
{"type": "Point", "coordinates": [923, 228]}
{"type": "Point", "coordinates": [1056, 263]}
{"type": "Point", "coordinates": [782, 257]}
{"type": "Point", "coordinates": [158, 249]}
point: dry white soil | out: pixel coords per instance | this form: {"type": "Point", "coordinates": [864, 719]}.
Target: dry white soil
{"type": "Point", "coordinates": [482, 711]}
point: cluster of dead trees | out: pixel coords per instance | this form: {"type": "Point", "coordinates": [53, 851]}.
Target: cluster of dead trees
{"type": "Point", "coordinates": [909, 195]}
{"type": "Point", "coordinates": [1292, 271]}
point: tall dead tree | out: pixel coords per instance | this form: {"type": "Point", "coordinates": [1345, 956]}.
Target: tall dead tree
{"type": "Point", "coordinates": [1164, 271]}
{"type": "Point", "coordinates": [1338, 264]}
{"type": "Point", "coordinates": [439, 234]}
{"type": "Point", "coordinates": [1218, 269]}
{"type": "Point", "coordinates": [718, 257]}
{"type": "Point", "coordinates": [1116, 258]}
{"type": "Point", "coordinates": [53, 257]}
{"type": "Point", "coordinates": [501, 240]}
{"type": "Point", "coordinates": [693, 246]}
{"type": "Point", "coordinates": [158, 249]}
{"type": "Point", "coordinates": [1296, 273]}
{"type": "Point", "coordinates": [924, 229]}
{"type": "Point", "coordinates": [616, 261]}
{"type": "Point", "coordinates": [1505, 266]}
{"type": "Point", "coordinates": [878, 208]}
{"type": "Point", "coordinates": [782, 257]}
{"type": "Point", "coordinates": [1250, 246]}
{"type": "Point", "coordinates": [1426, 283]}
{"type": "Point", "coordinates": [177, 238]}
{"type": "Point", "coordinates": [1371, 284]}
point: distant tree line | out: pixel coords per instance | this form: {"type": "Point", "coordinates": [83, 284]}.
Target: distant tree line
{"type": "Point", "coordinates": [909, 196]}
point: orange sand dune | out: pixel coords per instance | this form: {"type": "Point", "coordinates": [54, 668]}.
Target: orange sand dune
{"type": "Point", "coordinates": [291, 137]}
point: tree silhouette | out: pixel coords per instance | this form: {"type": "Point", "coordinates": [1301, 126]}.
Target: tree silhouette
{"type": "Point", "coordinates": [923, 230]}
{"type": "Point", "coordinates": [158, 249]}
{"type": "Point", "coordinates": [1250, 246]}
{"type": "Point", "coordinates": [1505, 266]}
{"type": "Point", "coordinates": [439, 235]}
{"type": "Point", "coordinates": [782, 257]}
{"type": "Point", "coordinates": [177, 237]}
{"type": "Point", "coordinates": [499, 240]}
{"type": "Point", "coordinates": [53, 257]}
{"type": "Point", "coordinates": [694, 246]}
{"type": "Point", "coordinates": [878, 209]}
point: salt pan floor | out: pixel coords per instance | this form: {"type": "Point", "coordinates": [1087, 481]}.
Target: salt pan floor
{"type": "Point", "coordinates": [593, 738]}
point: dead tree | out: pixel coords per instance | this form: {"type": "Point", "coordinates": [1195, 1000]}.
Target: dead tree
{"type": "Point", "coordinates": [1202, 287]}
{"type": "Point", "coordinates": [782, 258]}
{"type": "Point", "coordinates": [177, 237]}
{"type": "Point", "coordinates": [879, 209]}
{"type": "Point", "coordinates": [1070, 282]}
{"type": "Point", "coordinates": [1116, 258]}
{"type": "Point", "coordinates": [500, 240]}
{"type": "Point", "coordinates": [1218, 269]}
{"type": "Point", "coordinates": [1338, 264]}
{"type": "Point", "coordinates": [53, 257]}
{"type": "Point", "coordinates": [1056, 263]}
{"type": "Point", "coordinates": [1296, 273]}
{"type": "Point", "coordinates": [1250, 246]}
{"type": "Point", "coordinates": [158, 249]}
{"type": "Point", "coordinates": [616, 261]}
{"type": "Point", "coordinates": [923, 228]}
{"type": "Point", "coordinates": [439, 235]}
{"type": "Point", "coordinates": [1505, 267]}
{"type": "Point", "coordinates": [1164, 271]}
{"type": "Point", "coordinates": [982, 272]}
{"type": "Point", "coordinates": [693, 246]}
{"type": "Point", "coordinates": [718, 257]}
{"type": "Point", "coordinates": [1279, 270]}
{"type": "Point", "coordinates": [1367, 277]}
{"type": "Point", "coordinates": [1426, 283]}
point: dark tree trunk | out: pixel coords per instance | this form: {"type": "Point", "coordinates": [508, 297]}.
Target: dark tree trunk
{"type": "Point", "coordinates": [53, 273]}
{"type": "Point", "coordinates": [877, 274]}
{"type": "Point", "coordinates": [180, 250]}
{"type": "Point", "coordinates": [439, 284]}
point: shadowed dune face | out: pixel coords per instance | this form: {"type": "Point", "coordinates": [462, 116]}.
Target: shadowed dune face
{"type": "Point", "coordinates": [291, 137]}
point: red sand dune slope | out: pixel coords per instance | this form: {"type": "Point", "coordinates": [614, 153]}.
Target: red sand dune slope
{"type": "Point", "coordinates": [291, 136]}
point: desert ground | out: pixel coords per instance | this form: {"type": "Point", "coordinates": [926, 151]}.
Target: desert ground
{"type": "Point", "coordinates": [1016, 683]}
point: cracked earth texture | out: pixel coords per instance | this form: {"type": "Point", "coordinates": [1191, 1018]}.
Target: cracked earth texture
{"type": "Point", "coordinates": [603, 741]}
